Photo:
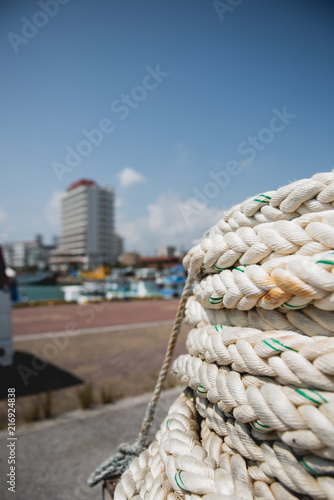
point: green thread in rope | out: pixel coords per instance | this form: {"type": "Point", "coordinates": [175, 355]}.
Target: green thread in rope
{"type": "Point", "coordinates": [308, 467]}
{"type": "Point", "coordinates": [330, 262]}
{"type": "Point", "coordinates": [175, 373]}
{"type": "Point", "coordinates": [299, 391]}
{"type": "Point", "coordinates": [256, 423]}
{"type": "Point", "coordinates": [219, 268]}
{"type": "Point", "coordinates": [179, 476]}
{"type": "Point", "coordinates": [274, 348]}
{"type": "Point", "coordinates": [293, 307]}
{"type": "Point", "coordinates": [203, 391]}
{"type": "Point", "coordinates": [239, 268]}
{"type": "Point", "coordinates": [283, 345]}
{"type": "Point", "coordinates": [216, 300]}
{"type": "Point", "coordinates": [263, 196]}
{"type": "Point", "coordinates": [167, 423]}
{"type": "Point", "coordinates": [320, 396]}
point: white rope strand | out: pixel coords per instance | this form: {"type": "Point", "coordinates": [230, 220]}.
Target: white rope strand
{"type": "Point", "coordinates": [257, 418]}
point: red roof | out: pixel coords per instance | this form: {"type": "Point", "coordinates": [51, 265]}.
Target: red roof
{"type": "Point", "coordinates": [81, 182]}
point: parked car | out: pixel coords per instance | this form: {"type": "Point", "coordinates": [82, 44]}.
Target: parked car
{"type": "Point", "coordinates": [6, 334]}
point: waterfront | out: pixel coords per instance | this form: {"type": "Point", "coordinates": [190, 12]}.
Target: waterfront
{"type": "Point", "coordinates": [40, 292]}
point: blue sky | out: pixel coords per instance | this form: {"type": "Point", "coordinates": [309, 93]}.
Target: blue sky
{"type": "Point", "coordinates": [224, 76]}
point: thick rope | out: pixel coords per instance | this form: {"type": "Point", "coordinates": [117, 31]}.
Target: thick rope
{"type": "Point", "coordinates": [289, 282]}
{"type": "Point", "coordinates": [257, 418]}
{"type": "Point", "coordinates": [306, 196]}
{"type": "Point", "coordinates": [306, 235]}
{"type": "Point", "coordinates": [115, 466]}
{"type": "Point", "coordinates": [307, 321]}
{"type": "Point", "coordinates": [190, 462]}
{"type": "Point", "coordinates": [303, 416]}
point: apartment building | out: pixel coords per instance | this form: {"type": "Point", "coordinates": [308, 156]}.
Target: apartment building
{"type": "Point", "coordinates": [87, 227]}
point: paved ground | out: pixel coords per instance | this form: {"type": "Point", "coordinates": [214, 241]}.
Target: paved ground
{"type": "Point", "coordinates": [54, 458]}
{"type": "Point", "coordinates": [123, 360]}
{"type": "Point", "coordinates": [73, 317]}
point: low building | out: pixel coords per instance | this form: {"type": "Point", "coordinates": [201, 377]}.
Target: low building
{"type": "Point", "coordinates": [63, 261]}
{"type": "Point", "coordinates": [166, 251]}
{"type": "Point", "coordinates": [129, 259]}
{"type": "Point", "coordinates": [159, 262]}
{"type": "Point", "coordinates": [22, 254]}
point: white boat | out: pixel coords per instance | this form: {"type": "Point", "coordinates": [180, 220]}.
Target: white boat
{"type": "Point", "coordinates": [71, 292]}
{"type": "Point", "coordinates": [132, 289]}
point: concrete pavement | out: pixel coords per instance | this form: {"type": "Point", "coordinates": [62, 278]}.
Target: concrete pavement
{"type": "Point", "coordinates": [55, 457]}
{"type": "Point", "coordinates": [71, 318]}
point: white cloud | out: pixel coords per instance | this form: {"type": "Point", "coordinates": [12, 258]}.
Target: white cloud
{"type": "Point", "coordinates": [52, 211]}
{"type": "Point", "coordinates": [128, 177]}
{"type": "Point", "coordinates": [165, 224]}
{"type": "Point", "coordinates": [119, 202]}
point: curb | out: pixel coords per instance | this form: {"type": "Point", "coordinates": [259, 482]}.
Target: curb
{"type": "Point", "coordinates": [80, 415]}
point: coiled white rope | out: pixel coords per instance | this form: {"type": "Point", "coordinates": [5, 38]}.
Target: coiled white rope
{"type": "Point", "coordinates": [306, 235]}
{"type": "Point", "coordinates": [253, 351]}
{"type": "Point", "coordinates": [288, 203]}
{"type": "Point", "coordinates": [309, 320]}
{"type": "Point", "coordinates": [290, 282]}
{"type": "Point", "coordinates": [265, 405]}
{"type": "Point", "coordinates": [225, 461]}
{"type": "Point", "coordinates": [257, 418]}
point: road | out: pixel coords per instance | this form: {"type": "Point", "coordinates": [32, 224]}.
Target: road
{"type": "Point", "coordinates": [73, 317]}
{"type": "Point", "coordinates": [54, 458]}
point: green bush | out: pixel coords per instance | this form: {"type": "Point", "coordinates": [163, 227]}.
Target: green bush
{"type": "Point", "coordinates": [106, 395]}
{"type": "Point", "coordinates": [86, 396]}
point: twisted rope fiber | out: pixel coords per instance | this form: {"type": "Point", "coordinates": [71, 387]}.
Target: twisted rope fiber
{"type": "Point", "coordinates": [250, 350]}
{"type": "Point", "coordinates": [306, 235]}
{"type": "Point", "coordinates": [290, 282]}
{"type": "Point", "coordinates": [178, 456]}
{"type": "Point", "coordinates": [272, 460]}
{"type": "Point", "coordinates": [287, 203]}
{"type": "Point", "coordinates": [117, 464]}
{"type": "Point", "coordinates": [191, 466]}
{"type": "Point", "coordinates": [308, 321]}
{"type": "Point", "coordinates": [305, 417]}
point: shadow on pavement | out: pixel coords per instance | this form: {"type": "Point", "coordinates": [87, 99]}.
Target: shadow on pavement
{"type": "Point", "coordinates": [32, 375]}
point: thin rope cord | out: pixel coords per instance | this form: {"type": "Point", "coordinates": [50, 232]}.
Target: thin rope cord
{"type": "Point", "coordinates": [151, 407]}
{"type": "Point", "coordinates": [116, 465]}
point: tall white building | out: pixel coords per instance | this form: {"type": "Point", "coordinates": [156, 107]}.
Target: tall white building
{"type": "Point", "coordinates": [87, 227]}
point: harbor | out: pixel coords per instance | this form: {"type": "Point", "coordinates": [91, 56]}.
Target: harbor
{"type": "Point", "coordinates": [120, 284]}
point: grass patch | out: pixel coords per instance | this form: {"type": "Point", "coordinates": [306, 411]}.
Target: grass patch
{"type": "Point", "coordinates": [34, 412]}
{"type": "Point", "coordinates": [106, 395]}
{"type": "Point", "coordinates": [85, 396]}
